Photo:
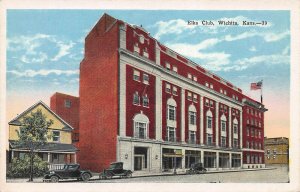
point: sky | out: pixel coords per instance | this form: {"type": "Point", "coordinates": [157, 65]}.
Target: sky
{"type": "Point", "coordinates": [45, 48]}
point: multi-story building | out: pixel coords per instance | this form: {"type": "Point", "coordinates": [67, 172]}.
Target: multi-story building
{"type": "Point", "coordinates": [276, 150]}
{"type": "Point", "coordinates": [153, 109]}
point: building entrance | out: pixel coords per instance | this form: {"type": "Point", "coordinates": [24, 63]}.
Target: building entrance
{"type": "Point", "coordinates": [140, 158]}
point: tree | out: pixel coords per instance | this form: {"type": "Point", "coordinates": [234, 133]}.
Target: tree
{"type": "Point", "coordinates": [33, 133]}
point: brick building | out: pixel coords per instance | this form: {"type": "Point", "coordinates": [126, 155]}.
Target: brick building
{"type": "Point", "coordinates": [276, 150]}
{"type": "Point", "coordinates": [145, 105]}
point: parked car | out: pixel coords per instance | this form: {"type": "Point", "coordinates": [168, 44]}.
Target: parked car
{"type": "Point", "coordinates": [115, 169]}
{"type": "Point", "coordinates": [70, 171]}
{"type": "Point", "coordinates": [196, 168]}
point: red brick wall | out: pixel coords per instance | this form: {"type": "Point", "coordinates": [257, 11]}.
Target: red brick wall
{"type": "Point", "coordinates": [184, 69]}
{"type": "Point", "coordinates": [177, 98]}
{"type": "Point", "coordinates": [197, 106]}
{"type": "Point", "coordinates": [213, 111]}
{"type": "Point", "coordinates": [70, 115]}
{"type": "Point", "coordinates": [131, 87]}
{"type": "Point", "coordinates": [99, 96]}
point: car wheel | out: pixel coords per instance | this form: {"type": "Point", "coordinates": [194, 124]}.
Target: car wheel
{"type": "Point", "coordinates": [85, 176]}
{"type": "Point", "coordinates": [128, 175]}
{"type": "Point", "coordinates": [203, 171]}
{"type": "Point", "coordinates": [54, 179]}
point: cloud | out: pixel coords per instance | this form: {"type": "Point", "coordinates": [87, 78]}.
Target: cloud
{"type": "Point", "coordinates": [286, 50]}
{"type": "Point", "coordinates": [179, 26]}
{"type": "Point", "coordinates": [64, 49]}
{"type": "Point", "coordinates": [253, 49]}
{"type": "Point", "coordinates": [43, 72]}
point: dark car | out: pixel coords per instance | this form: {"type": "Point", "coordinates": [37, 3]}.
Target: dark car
{"type": "Point", "coordinates": [115, 169]}
{"type": "Point", "coordinates": [70, 171]}
{"type": "Point", "coordinates": [196, 168]}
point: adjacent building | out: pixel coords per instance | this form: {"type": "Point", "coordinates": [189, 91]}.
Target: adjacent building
{"type": "Point", "coordinates": [58, 149]}
{"type": "Point", "coordinates": [153, 109]}
{"type": "Point", "coordinates": [276, 150]}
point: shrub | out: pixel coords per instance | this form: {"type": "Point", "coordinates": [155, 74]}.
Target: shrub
{"type": "Point", "coordinates": [20, 168]}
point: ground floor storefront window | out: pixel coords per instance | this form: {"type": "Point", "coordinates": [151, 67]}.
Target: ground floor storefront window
{"type": "Point", "coordinates": [171, 158]}
{"type": "Point", "coordinates": [140, 158]}
{"type": "Point", "coordinates": [209, 159]}
{"type": "Point", "coordinates": [223, 160]}
{"type": "Point", "coordinates": [236, 160]}
{"type": "Point", "coordinates": [192, 157]}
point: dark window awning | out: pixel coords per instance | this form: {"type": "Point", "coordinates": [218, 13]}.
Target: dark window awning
{"type": "Point", "coordinates": [50, 147]}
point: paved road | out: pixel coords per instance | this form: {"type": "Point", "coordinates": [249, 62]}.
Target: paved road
{"type": "Point", "coordinates": [279, 175]}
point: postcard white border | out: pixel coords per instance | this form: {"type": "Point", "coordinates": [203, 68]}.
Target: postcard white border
{"type": "Point", "coordinates": [291, 5]}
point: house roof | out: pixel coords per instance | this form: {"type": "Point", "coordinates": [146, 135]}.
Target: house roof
{"type": "Point", "coordinates": [16, 121]}
{"type": "Point", "coordinates": [55, 147]}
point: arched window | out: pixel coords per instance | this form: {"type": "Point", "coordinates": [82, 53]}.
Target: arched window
{"type": "Point", "coordinates": [223, 123]}
{"type": "Point", "coordinates": [192, 115]}
{"type": "Point", "coordinates": [171, 109]}
{"type": "Point", "coordinates": [209, 119]}
{"type": "Point", "coordinates": [141, 123]}
{"type": "Point", "coordinates": [235, 126]}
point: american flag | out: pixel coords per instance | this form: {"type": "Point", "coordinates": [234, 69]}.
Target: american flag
{"type": "Point", "coordinates": [255, 86]}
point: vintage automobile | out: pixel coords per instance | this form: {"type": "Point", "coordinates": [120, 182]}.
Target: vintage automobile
{"type": "Point", "coordinates": [196, 168]}
{"type": "Point", "coordinates": [115, 169]}
{"type": "Point", "coordinates": [69, 171]}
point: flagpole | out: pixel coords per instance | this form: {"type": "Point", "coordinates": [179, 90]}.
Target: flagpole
{"type": "Point", "coordinates": [261, 92]}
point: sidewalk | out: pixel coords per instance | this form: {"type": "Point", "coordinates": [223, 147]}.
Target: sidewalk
{"type": "Point", "coordinates": [141, 174]}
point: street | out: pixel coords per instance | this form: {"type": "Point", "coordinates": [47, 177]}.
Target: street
{"type": "Point", "coordinates": [277, 175]}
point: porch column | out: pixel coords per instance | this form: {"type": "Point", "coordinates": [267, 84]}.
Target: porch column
{"type": "Point", "coordinates": [182, 115]}
{"type": "Point", "coordinates": [12, 154]}
{"type": "Point", "coordinates": [217, 124]}
{"type": "Point", "coordinates": [48, 158]}
{"type": "Point", "coordinates": [201, 121]}
{"type": "Point", "coordinates": [183, 159]}
{"type": "Point", "coordinates": [75, 158]}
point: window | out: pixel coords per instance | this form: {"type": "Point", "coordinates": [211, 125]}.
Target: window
{"type": "Point", "coordinates": [146, 78]}
{"type": "Point", "coordinates": [192, 118]}
{"type": "Point", "coordinates": [168, 88]}
{"type": "Point", "coordinates": [56, 136]}
{"type": "Point", "coordinates": [259, 146]}
{"type": "Point", "coordinates": [136, 98]}
{"type": "Point", "coordinates": [141, 39]}
{"type": "Point", "coordinates": [145, 101]}
{"type": "Point", "coordinates": [206, 84]}
{"type": "Point", "coordinates": [136, 75]}
{"type": "Point", "coordinates": [260, 159]}
{"type": "Point", "coordinates": [223, 125]}
{"type": "Point", "coordinates": [189, 97]}
{"type": "Point", "coordinates": [175, 90]}
{"type": "Point", "coordinates": [221, 91]}
{"type": "Point", "coordinates": [194, 78]}
{"type": "Point", "coordinates": [259, 124]}
{"type": "Point", "coordinates": [192, 136]}
{"type": "Point", "coordinates": [171, 113]}
{"type": "Point", "coordinates": [223, 141]}
{"type": "Point", "coordinates": [171, 134]}
{"type": "Point", "coordinates": [248, 110]}
{"type": "Point", "coordinates": [259, 114]}
{"type": "Point", "coordinates": [175, 69]}
{"type": "Point", "coordinates": [145, 49]}
{"type": "Point", "coordinates": [67, 103]}
{"type": "Point", "coordinates": [209, 139]}
{"type": "Point", "coordinates": [168, 66]}
{"type": "Point", "coordinates": [248, 159]}
{"type": "Point", "coordinates": [141, 123]}
{"type": "Point", "coordinates": [248, 145]}
{"type": "Point", "coordinates": [252, 132]}
{"type": "Point", "coordinates": [195, 98]}
{"type": "Point", "coordinates": [211, 86]}
{"type": "Point", "coordinates": [209, 122]}
{"type": "Point", "coordinates": [211, 103]}
{"type": "Point", "coordinates": [140, 130]}
{"type": "Point", "coordinates": [259, 134]}
{"type": "Point", "coordinates": [207, 102]}
{"type": "Point", "coordinates": [225, 92]}
{"type": "Point", "coordinates": [248, 121]}
{"type": "Point", "coordinates": [136, 47]}
{"type": "Point", "coordinates": [248, 131]}
{"type": "Point", "coordinates": [235, 143]}
{"type": "Point", "coordinates": [189, 76]}
{"type": "Point", "coordinates": [145, 53]}
{"type": "Point", "coordinates": [235, 128]}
